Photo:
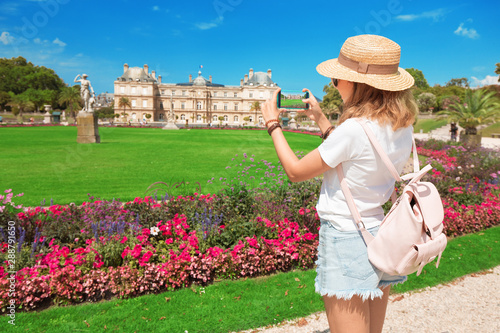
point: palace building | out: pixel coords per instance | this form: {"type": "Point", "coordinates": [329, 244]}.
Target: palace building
{"type": "Point", "coordinates": [199, 101]}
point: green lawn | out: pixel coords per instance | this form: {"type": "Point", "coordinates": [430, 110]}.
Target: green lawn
{"type": "Point", "coordinates": [427, 125]}
{"type": "Point", "coordinates": [46, 162]}
{"type": "Point", "coordinates": [495, 128]}
{"type": "Point", "coordinates": [243, 304]}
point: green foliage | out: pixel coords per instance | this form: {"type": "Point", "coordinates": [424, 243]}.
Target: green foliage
{"type": "Point", "coordinates": [479, 107]}
{"type": "Point", "coordinates": [70, 98]}
{"type": "Point", "coordinates": [332, 102]}
{"type": "Point", "coordinates": [18, 75]}
{"type": "Point", "coordinates": [107, 112]}
{"type": "Point", "coordinates": [426, 101]}
{"type": "Point", "coordinates": [462, 82]}
{"type": "Point", "coordinates": [420, 80]}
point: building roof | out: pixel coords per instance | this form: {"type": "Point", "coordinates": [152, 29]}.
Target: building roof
{"type": "Point", "coordinates": [136, 74]}
{"type": "Point", "coordinates": [200, 81]}
{"type": "Point", "coordinates": [260, 79]}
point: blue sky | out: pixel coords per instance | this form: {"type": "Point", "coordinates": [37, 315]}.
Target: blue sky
{"type": "Point", "coordinates": [443, 39]}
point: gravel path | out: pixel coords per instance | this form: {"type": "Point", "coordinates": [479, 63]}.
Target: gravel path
{"type": "Point", "coordinates": [468, 304]}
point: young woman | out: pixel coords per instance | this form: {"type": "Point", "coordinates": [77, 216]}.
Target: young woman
{"type": "Point", "coordinates": [376, 90]}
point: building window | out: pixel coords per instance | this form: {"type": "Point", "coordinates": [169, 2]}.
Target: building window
{"type": "Point", "coordinates": [163, 92]}
{"type": "Point", "coordinates": [122, 90]}
{"type": "Point", "coordinates": [261, 94]}
{"type": "Point", "coordinates": [183, 105]}
{"type": "Point", "coordinates": [173, 92]}
{"type": "Point", "coordinates": [133, 90]}
{"type": "Point", "coordinates": [161, 105]}
{"type": "Point", "coordinates": [261, 120]}
{"type": "Point", "coordinates": [198, 105]}
{"type": "Point", "coordinates": [251, 95]}
{"type": "Point", "coordinates": [236, 119]}
{"type": "Point", "coordinates": [215, 106]}
{"type": "Point", "coordinates": [235, 94]}
{"type": "Point", "coordinates": [225, 94]}
{"type": "Point", "coordinates": [226, 118]}
{"type": "Point", "coordinates": [225, 106]}
{"type": "Point", "coordinates": [173, 105]}
{"type": "Point", "coordinates": [235, 107]}
{"type": "Point", "coordinates": [198, 118]}
{"type": "Point", "coordinates": [215, 118]}
{"type": "Point", "coordinates": [134, 116]}
{"type": "Point", "coordinates": [144, 103]}
{"type": "Point", "coordinates": [134, 103]}
{"type": "Point", "coordinates": [161, 117]}
{"type": "Point", "coordinates": [215, 93]}
{"type": "Point", "coordinates": [144, 91]}
{"type": "Point", "coordinates": [250, 119]}
{"type": "Point", "coordinates": [183, 116]}
{"type": "Point", "coordinates": [184, 93]}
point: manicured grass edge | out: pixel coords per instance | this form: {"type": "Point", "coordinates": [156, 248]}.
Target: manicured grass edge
{"type": "Point", "coordinates": [247, 303]}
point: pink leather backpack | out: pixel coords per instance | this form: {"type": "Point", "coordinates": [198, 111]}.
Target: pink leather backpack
{"type": "Point", "coordinates": [411, 234]}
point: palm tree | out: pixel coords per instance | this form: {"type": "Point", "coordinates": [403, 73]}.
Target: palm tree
{"type": "Point", "coordinates": [123, 102]}
{"type": "Point", "coordinates": [21, 102]}
{"type": "Point", "coordinates": [480, 107]}
{"type": "Point", "coordinates": [255, 107]}
{"type": "Point", "coordinates": [70, 97]}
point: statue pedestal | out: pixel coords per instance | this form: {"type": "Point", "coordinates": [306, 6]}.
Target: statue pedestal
{"type": "Point", "coordinates": [170, 126]}
{"type": "Point", "coordinates": [46, 118]}
{"type": "Point", "coordinates": [292, 124]}
{"type": "Point", "coordinates": [88, 129]}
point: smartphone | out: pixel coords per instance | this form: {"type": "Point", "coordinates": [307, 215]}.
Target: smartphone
{"type": "Point", "coordinates": [292, 99]}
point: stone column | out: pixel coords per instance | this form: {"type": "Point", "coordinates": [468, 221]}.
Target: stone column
{"type": "Point", "coordinates": [88, 129]}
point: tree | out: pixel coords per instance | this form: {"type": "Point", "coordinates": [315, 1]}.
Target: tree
{"type": "Point", "coordinates": [461, 82]}
{"type": "Point", "coordinates": [480, 107]}
{"type": "Point", "coordinates": [497, 70]}
{"type": "Point", "coordinates": [123, 102]}
{"type": "Point", "coordinates": [4, 99]}
{"type": "Point", "coordinates": [20, 102]}
{"type": "Point", "coordinates": [255, 107]}
{"type": "Point", "coordinates": [70, 97]}
{"type": "Point", "coordinates": [447, 100]}
{"type": "Point", "coordinates": [221, 118]}
{"type": "Point", "coordinates": [420, 80]}
{"type": "Point", "coordinates": [332, 102]}
{"type": "Point", "coordinates": [37, 97]}
{"type": "Point", "coordinates": [426, 101]}
{"type": "Point", "coordinates": [107, 112]}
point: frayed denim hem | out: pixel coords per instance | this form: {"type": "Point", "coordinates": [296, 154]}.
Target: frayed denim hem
{"type": "Point", "coordinates": [348, 294]}
{"type": "Point", "coordinates": [383, 284]}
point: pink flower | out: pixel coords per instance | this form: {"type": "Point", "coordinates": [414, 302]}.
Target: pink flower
{"type": "Point", "coordinates": [146, 256]}
{"type": "Point", "coordinates": [124, 239]}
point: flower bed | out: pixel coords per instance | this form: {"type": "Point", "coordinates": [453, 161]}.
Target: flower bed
{"type": "Point", "coordinates": [72, 254]}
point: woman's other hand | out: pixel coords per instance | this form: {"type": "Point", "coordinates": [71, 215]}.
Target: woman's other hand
{"type": "Point", "coordinates": [314, 111]}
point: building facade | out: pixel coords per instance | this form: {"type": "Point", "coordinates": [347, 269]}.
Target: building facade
{"type": "Point", "coordinates": [198, 101]}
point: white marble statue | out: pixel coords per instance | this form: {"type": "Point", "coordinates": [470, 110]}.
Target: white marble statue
{"type": "Point", "coordinates": [86, 92]}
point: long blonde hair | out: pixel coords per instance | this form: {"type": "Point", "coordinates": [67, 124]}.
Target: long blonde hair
{"type": "Point", "coordinates": [397, 108]}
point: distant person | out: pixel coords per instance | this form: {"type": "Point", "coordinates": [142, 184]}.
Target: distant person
{"type": "Point", "coordinates": [377, 91]}
{"type": "Point", "coordinates": [453, 131]}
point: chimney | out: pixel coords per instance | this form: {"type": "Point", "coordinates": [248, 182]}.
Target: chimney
{"type": "Point", "coordinates": [210, 78]}
{"type": "Point", "coordinates": [153, 74]}
{"type": "Point", "coordinates": [125, 68]}
{"type": "Point", "coordinates": [146, 68]}
{"type": "Point", "coordinates": [246, 78]}
{"type": "Point", "coordinates": [159, 78]}
{"type": "Point", "coordinates": [250, 74]}
{"type": "Point", "coordinates": [241, 82]}
{"type": "Point", "coordinates": [190, 78]}
{"type": "Point", "coordinates": [269, 73]}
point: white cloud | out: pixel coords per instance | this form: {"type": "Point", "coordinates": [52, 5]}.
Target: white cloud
{"type": "Point", "coordinates": [6, 38]}
{"type": "Point", "coordinates": [209, 25]}
{"type": "Point", "coordinates": [435, 15]}
{"type": "Point", "coordinates": [156, 8]}
{"type": "Point", "coordinates": [466, 32]}
{"type": "Point", "coordinates": [488, 80]}
{"type": "Point", "coordinates": [57, 41]}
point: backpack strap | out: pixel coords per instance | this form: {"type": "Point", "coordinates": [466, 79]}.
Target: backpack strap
{"type": "Point", "coordinates": [416, 175]}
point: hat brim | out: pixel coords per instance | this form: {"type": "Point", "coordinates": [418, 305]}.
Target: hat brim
{"type": "Point", "coordinates": [401, 80]}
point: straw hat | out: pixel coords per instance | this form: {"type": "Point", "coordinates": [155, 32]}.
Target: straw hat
{"type": "Point", "coordinates": [369, 59]}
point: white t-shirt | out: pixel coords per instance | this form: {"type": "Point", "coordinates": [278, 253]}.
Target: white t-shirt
{"type": "Point", "coordinates": [367, 176]}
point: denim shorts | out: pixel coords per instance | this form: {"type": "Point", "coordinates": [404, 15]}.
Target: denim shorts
{"type": "Point", "coordinates": [343, 269]}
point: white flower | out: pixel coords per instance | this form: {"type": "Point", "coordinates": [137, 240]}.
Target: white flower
{"type": "Point", "coordinates": [154, 231]}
